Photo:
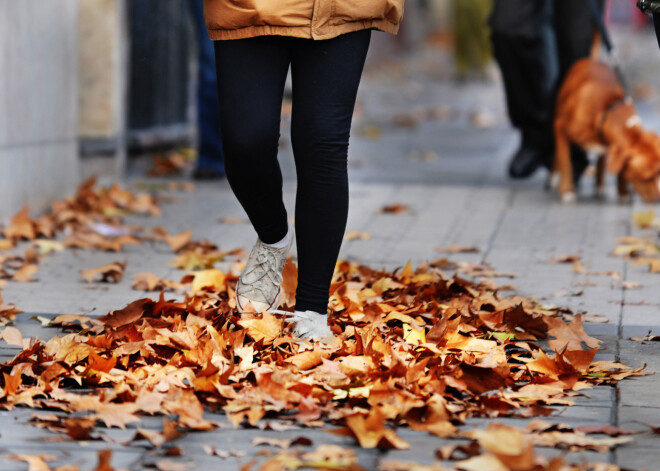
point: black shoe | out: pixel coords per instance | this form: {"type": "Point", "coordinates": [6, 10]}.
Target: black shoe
{"type": "Point", "coordinates": [526, 161]}
{"type": "Point", "coordinates": [205, 174]}
{"type": "Point", "coordinates": [580, 163]}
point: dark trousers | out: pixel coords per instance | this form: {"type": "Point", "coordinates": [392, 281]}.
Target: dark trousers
{"type": "Point", "coordinates": [535, 43]}
{"type": "Point", "coordinates": [210, 156]}
{"type": "Point", "coordinates": [325, 75]}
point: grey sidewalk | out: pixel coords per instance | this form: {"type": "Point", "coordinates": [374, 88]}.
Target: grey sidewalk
{"type": "Point", "coordinates": [452, 176]}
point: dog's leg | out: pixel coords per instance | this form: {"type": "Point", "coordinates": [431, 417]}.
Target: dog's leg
{"type": "Point", "coordinates": [624, 189]}
{"type": "Point", "coordinates": [553, 181]}
{"type": "Point", "coordinates": [600, 176]}
{"type": "Point", "coordinates": [563, 165]}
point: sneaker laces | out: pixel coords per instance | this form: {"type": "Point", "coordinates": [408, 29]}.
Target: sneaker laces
{"type": "Point", "coordinates": [268, 262]}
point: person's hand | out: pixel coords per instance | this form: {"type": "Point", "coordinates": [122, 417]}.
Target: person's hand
{"type": "Point", "coordinates": [649, 6]}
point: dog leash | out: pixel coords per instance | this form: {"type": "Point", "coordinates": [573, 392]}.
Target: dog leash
{"type": "Point", "coordinates": [597, 15]}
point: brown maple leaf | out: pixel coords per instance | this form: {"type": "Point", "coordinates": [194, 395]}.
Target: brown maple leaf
{"type": "Point", "coordinates": [109, 273]}
{"type": "Point", "coordinates": [569, 336]}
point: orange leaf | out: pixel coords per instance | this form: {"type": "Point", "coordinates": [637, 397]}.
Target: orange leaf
{"type": "Point", "coordinates": [12, 336]}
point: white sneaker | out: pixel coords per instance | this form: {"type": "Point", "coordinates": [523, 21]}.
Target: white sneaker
{"type": "Point", "coordinates": [310, 325]}
{"type": "Point", "coordinates": [260, 282]}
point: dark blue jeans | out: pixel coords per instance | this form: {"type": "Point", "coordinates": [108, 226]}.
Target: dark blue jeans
{"type": "Point", "coordinates": [210, 155]}
{"type": "Point", "coordinates": [325, 77]}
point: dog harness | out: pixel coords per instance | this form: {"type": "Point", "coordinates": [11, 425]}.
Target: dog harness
{"type": "Point", "coordinates": [630, 122]}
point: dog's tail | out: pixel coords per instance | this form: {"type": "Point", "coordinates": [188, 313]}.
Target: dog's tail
{"type": "Point", "coordinates": [596, 45]}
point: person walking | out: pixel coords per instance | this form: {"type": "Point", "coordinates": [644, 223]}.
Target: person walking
{"type": "Point", "coordinates": [209, 165]}
{"type": "Point", "coordinates": [535, 42]}
{"type": "Point", "coordinates": [325, 43]}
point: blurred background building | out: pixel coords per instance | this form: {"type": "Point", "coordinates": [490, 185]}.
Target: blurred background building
{"type": "Point", "coordinates": [85, 84]}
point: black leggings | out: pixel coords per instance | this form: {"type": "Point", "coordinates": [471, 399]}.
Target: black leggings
{"type": "Point", "coordinates": [326, 75]}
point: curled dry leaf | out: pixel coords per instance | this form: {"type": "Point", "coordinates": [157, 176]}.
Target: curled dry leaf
{"type": "Point", "coordinates": [573, 258]}
{"type": "Point", "coordinates": [25, 273]}
{"type": "Point", "coordinates": [179, 241]}
{"type": "Point", "coordinates": [150, 282]}
{"type": "Point", "coordinates": [281, 443]}
{"type": "Point", "coordinates": [371, 431]}
{"type": "Point", "coordinates": [7, 312]}
{"type": "Point", "coordinates": [648, 338]}
{"type": "Point", "coordinates": [171, 164]}
{"type": "Point", "coordinates": [396, 208]}
{"type": "Point", "coordinates": [109, 273]}
{"type": "Point", "coordinates": [453, 248]}
{"type": "Point", "coordinates": [353, 235]}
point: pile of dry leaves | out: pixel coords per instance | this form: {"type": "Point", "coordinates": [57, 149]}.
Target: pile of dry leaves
{"type": "Point", "coordinates": [413, 348]}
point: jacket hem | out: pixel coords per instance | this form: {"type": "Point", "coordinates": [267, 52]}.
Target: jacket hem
{"type": "Point", "coordinates": [304, 32]}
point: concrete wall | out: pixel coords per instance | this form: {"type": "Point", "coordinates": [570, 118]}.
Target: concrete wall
{"type": "Point", "coordinates": [38, 102]}
{"type": "Point", "coordinates": [100, 75]}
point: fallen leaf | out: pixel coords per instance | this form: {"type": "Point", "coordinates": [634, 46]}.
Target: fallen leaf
{"type": "Point", "coordinates": [573, 258]}
{"type": "Point", "coordinates": [371, 432]}
{"type": "Point", "coordinates": [35, 462]}
{"type": "Point", "coordinates": [109, 273]}
{"type": "Point", "coordinates": [213, 279]}
{"type": "Point", "coordinates": [458, 249]}
{"type": "Point", "coordinates": [12, 336]}
{"type": "Point", "coordinates": [352, 235]}
{"type": "Point", "coordinates": [569, 336]}
{"type": "Point", "coordinates": [179, 241]}
{"type": "Point", "coordinates": [266, 328]}
{"type": "Point", "coordinates": [396, 208]}
{"type": "Point", "coordinates": [229, 220]}
{"type": "Point", "coordinates": [644, 219]}
{"type": "Point", "coordinates": [25, 273]}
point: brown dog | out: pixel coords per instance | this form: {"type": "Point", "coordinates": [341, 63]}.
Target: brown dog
{"type": "Point", "coordinates": [594, 113]}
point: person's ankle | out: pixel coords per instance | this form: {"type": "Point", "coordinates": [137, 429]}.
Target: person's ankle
{"type": "Point", "coordinates": [283, 242]}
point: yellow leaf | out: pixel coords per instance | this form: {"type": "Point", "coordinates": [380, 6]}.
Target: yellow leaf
{"type": "Point", "coordinates": [268, 327]}
{"type": "Point", "coordinates": [644, 220]}
{"type": "Point", "coordinates": [407, 271]}
{"type": "Point", "coordinates": [412, 335]}
{"type": "Point", "coordinates": [48, 246]}
{"type": "Point", "coordinates": [212, 278]}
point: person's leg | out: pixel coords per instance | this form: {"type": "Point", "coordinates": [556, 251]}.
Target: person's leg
{"type": "Point", "coordinates": [523, 45]}
{"type": "Point", "coordinates": [210, 157]}
{"type": "Point", "coordinates": [326, 75]}
{"type": "Point", "coordinates": [251, 77]}
{"type": "Point", "coordinates": [574, 30]}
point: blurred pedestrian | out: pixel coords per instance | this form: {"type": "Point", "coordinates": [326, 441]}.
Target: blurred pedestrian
{"type": "Point", "coordinates": [210, 161]}
{"type": "Point", "coordinates": [472, 46]}
{"type": "Point", "coordinates": [535, 43]}
{"type": "Point", "coordinates": [325, 43]}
